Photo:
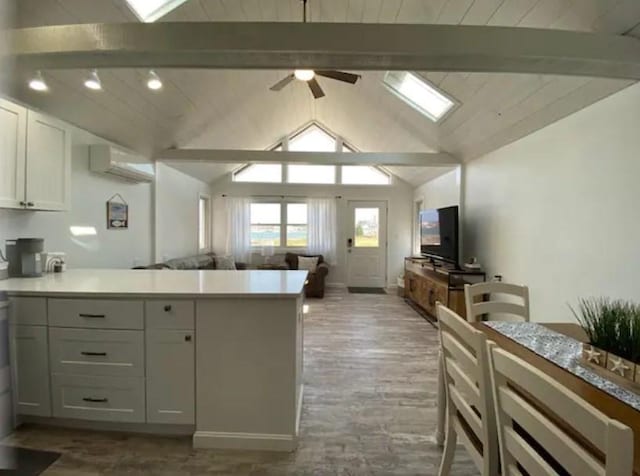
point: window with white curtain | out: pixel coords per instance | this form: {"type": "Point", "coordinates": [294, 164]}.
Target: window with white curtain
{"type": "Point", "coordinates": [204, 222]}
{"type": "Point", "coordinates": [279, 224]}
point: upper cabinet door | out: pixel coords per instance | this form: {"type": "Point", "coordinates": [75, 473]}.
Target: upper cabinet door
{"type": "Point", "coordinates": [48, 163]}
{"type": "Point", "coordinates": [13, 129]}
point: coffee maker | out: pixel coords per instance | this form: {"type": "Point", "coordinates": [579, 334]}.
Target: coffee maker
{"type": "Point", "coordinates": [24, 256]}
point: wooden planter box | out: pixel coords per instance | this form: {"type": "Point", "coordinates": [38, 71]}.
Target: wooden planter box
{"type": "Point", "coordinates": [611, 364]}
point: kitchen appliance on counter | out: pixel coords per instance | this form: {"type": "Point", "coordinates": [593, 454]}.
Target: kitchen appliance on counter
{"type": "Point", "coordinates": [54, 261]}
{"type": "Point", "coordinates": [25, 257]}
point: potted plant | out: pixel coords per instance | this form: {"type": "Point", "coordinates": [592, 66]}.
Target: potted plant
{"type": "Point", "coordinates": [613, 330]}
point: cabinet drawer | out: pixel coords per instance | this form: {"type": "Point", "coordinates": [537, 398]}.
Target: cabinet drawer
{"type": "Point", "coordinates": [163, 314]}
{"type": "Point", "coordinates": [98, 398]}
{"type": "Point", "coordinates": [29, 311]}
{"type": "Point", "coordinates": [96, 352]}
{"type": "Point", "coordinates": [95, 313]}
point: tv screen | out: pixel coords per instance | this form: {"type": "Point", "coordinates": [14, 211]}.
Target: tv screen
{"type": "Point", "coordinates": [439, 233]}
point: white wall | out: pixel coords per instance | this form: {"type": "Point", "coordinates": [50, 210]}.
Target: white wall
{"type": "Point", "coordinates": [89, 194]}
{"type": "Point", "coordinates": [397, 195]}
{"type": "Point", "coordinates": [176, 213]}
{"type": "Point", "coordinates": [558, 210]}
{"type": "Point", "coordinates": [443, 191]}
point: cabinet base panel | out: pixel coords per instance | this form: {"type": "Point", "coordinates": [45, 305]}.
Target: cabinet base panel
{"type": "Point", "coordinates": [244, 441]}
{"type": "Point", "coordinates": [143, 428]}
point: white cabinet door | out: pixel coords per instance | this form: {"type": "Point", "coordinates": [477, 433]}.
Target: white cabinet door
{"type": "Point", "coordinates": [31, 366]}
{"type": "Point", "coordinates": [13, 127]}
{"type": "Point", "coordinates": [170, 376]}
{"type": "Point", "coordinates": [48, 168]}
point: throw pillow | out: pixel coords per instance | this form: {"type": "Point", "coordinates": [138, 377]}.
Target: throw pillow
{"type": "Point", "coordinates": [308, 263]}
{"type": "Point", "coordinates": [225, 262]}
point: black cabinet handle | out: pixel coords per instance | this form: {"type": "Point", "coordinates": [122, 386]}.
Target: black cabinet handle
{"type": "Point", "coordinates": [23, 204]}
{"type": "Point", "coordinates": [96, 354]}
{"type": "Point", "coordinates": [167, 308]}
{"type": "Point", "coordinates": [93, 316]}
{"type": "Point", "coordinates": [29, 204]}
{"type": "Point", "coordinates": [95, 400]}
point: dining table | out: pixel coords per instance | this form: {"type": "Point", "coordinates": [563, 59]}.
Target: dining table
{"type": "Point", "coordinates": [553, 348]}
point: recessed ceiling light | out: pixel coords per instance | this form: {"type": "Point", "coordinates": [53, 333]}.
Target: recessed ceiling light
{"type": "Point", "coordinates": [153, 81]}
{"type": "Point", "coordinates": [149, 11]}
{"type": "Point", "coordinates": [37, 83]}
{"type": "Point", "coordinates": [304, 74]}
{"type": "Point", "coordinates": [93, 81]}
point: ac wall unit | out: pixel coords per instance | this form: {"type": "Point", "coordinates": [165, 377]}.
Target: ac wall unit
{"type": "Point", "coordinates": [105, 159]}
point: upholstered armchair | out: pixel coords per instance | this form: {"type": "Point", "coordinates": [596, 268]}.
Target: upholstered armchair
{"type": "Point", "coordinates": [315, 282]}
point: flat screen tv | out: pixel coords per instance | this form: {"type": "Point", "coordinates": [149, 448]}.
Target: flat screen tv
{"type": "Point", "coordinates": [439, 234]}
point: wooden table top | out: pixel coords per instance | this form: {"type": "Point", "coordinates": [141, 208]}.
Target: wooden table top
{"type": "Point", "coordinates": [610, 406]}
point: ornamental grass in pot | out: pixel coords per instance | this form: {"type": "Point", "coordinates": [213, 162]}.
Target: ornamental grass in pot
{"type": "Point", "coordinates": [613, 329]}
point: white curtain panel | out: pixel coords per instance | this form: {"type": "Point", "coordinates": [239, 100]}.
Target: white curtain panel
{"type": "Point", "coordinates": [322, 228]}
{"type": "Point", "coordinates": [238, 228]}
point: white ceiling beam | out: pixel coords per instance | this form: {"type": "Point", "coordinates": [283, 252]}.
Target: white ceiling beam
{"type": "Point", "coordinates": [224, 156]}
{"type": "Point", "coordinates": [248, 45]}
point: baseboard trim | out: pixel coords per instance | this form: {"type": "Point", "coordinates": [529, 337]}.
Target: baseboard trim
{"type": "Point", "coordinates": [244, 441]}
{"type": "Point", "coordinates": [144, 428]}
{"type": "Point", "coordinates": [336, 285]}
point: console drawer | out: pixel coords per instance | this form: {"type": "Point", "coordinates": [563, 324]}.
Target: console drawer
{"type": "Point", "coordinates": [96, 352]}
{"type": "Point", "coordinates": [98, 398]}
{"type": "Point", "coordinates": [170, 314]}
{"type": "Point", "coordinates": [96, 313]}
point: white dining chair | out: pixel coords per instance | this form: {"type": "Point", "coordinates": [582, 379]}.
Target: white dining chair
{"type": "Point", "coordinates": [515, 304]}
{"type": "Point", "coordinates": [532, 440]}
{"type": "Point", "coordinates": [470, 412]}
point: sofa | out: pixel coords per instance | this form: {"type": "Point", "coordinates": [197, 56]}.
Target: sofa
{"type": "Point", "coordinates": [314, 287]}
{"type": "Point", "coordinates": [201, 261]}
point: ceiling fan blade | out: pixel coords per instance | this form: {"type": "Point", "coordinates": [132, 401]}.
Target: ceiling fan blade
{"type": "Point", "coordinates": [316, 90]}
{"type": "Point", "coordinates": [339, 75]}
{"type": "Point", "coordinates": [282, 83]}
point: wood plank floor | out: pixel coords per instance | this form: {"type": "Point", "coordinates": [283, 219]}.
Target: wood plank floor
{"type": "Point", "coordinates": [369, 407]}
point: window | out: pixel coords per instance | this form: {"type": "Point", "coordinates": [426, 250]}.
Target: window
{"type": "Point", "coordinates": [312, 139]}
{"type": "Point", "coordinates": [419, 94]}
{"type": "Point", "coordinates": [367, 227]}
{"type": "Point", "coordinates": [279, 224]}
{"type": "Point", "coordinates": [271, 173]}
{"type": "Point", "coordinates": [364, 175]}
{"type": "Point", "coordinates": [150, 10]}
{"type": "Point", "coordinates": [311, 174]}
{"type": "Point", "coordinates": [204, 223]}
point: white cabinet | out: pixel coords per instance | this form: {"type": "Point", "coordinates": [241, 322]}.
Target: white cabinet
{"type": "Point", "coordinates": [48, 161]}
{"type": "Point", "coordinates": [13, 134]}
{"type": "Point", "coordinates": [170, 376]}
{"type": "Point", "coordinates": [31, 366]}
{"type": "Point", "coordinates": [35, 159]}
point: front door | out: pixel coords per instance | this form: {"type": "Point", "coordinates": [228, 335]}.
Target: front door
{"type": "Point", "coordinates": [367, 244]}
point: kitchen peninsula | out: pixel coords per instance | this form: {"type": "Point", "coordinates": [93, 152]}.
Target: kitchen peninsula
{"type": "Point", "coordinates": [216, 354]}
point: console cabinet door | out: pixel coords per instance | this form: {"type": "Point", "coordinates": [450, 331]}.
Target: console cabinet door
{"type": "Point", "coordinates": [48, 168]}
{"type": "Point", "coordinates": [170, 376]}
{"type": "Point", "coordinates": [31, 366]}
{"type": "Point", "coordinates": [13, 134]}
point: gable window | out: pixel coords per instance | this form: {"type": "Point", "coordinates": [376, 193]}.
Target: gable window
{"type": "Point", "coordinates": [312, 139]}
{"type": "Point", "coordinates": [311, 173]}
{"type": "Point", "coordinates": [269, 173]}
{"type": "Point", "coordinates": [279, 224]}
{"type": "Point", "coordinates": [204, 222]}
{"type": "Point", "coordinates": [149, 11]}
{"type": "Point", "coordinates": [364, 175]}
{"type": "Point", "coordinates": [419, 94]}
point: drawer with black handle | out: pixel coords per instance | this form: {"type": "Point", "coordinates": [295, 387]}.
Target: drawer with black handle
{"type": "Point", "coordinates": [118, 399]}
{"type": "Point", "coordinates": [96, 313]}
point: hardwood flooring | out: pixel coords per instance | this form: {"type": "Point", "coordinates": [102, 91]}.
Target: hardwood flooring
{"type": "Point", "coordinates": [369, 408]}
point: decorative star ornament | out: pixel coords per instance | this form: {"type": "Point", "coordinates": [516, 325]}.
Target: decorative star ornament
{"type": "Point", "coordinates": [593, 355]}
{"type": "Point", "coordinates": [619, 366]}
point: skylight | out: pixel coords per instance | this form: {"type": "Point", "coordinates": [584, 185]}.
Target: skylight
{"type": "Point", "coordinates": [419, 94]}
{"type": "Point", "coordinates": [149, 11]}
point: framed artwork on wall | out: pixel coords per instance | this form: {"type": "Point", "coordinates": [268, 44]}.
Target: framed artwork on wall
{"type": "Point", "coordinates": [117, 213]}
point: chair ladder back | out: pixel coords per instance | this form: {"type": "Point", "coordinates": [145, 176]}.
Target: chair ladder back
{"type": "Point", "coordinates": [478, 308]}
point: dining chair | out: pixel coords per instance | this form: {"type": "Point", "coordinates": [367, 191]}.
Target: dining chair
{"type": "Point", "coordinates": [470, 412]}
{"type": "Point", "coordinates": [515, 304]}
{"type": "Point", "coordinates": [536, 440]}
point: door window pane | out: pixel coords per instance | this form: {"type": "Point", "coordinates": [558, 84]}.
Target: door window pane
{"type": "Point", "coordinates": [297, 225]}
{"type": "Point", "coordinates": [367, 228]}
{"type": "Point", "coordinates": [265, 224]}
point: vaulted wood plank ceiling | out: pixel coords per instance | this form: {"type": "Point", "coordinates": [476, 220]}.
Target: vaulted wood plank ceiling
{"type": "Point", "coordinates": [236, 110]}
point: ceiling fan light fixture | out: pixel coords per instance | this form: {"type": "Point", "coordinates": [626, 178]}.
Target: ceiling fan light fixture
{"type": "Point", "coordinates": [153, 81]}
{"type": "Point", "coordinates": [93, 81]}
{"type": "Point", "coordinates": [304, 74]}
{"type": "Point", "coordinates": [37, 83]}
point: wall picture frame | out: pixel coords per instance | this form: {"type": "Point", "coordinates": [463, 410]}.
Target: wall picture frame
{"type": "Point", "coordinates": [117, 213]}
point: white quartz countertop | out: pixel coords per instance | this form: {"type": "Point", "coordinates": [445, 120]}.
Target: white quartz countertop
{"type": "Point", "coordinates": [158, 283]}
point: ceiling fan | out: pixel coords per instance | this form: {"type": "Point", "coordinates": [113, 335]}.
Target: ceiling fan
{"type": "Point", "coordinates": [309, 75]}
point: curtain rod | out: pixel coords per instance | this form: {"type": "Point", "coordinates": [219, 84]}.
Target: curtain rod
{"type": "Point", "coordinates": [276, 196]}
